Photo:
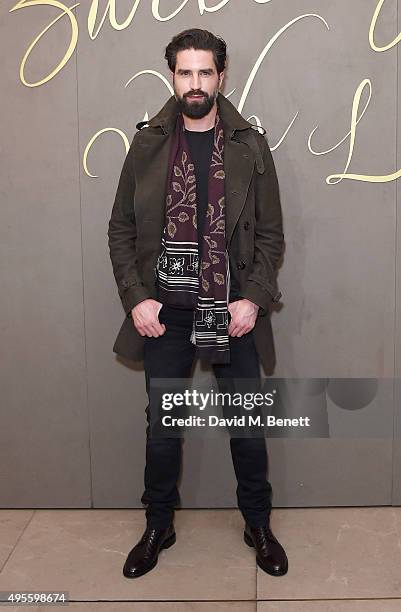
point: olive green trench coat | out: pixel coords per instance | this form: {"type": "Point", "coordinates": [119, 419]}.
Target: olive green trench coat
{"type": "Point", "coordinates": [254, 233]}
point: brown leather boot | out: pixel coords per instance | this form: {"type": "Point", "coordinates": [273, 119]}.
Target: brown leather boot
{"type": "Point", "coordinates": [143, 557]}
{"type": "Point", "coordinates": [270, 555]}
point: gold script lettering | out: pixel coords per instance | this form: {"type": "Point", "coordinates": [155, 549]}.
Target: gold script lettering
{"type": "Point", "coordinates": [314, 152]}
{"type": "Point", "coordinates": [156, 12]}
{"type": "Point", "coordinates": [71, 47]}
{"type": "Point", "coordinates": [359, 177]}
{"type": "Point", "coordinates": [258, 63]}
{"type": "Point", "coordinates": [155, 73]}
{"type": "Point", "coordinates": [92, 140]}
{"type": "Point", "coordinates": [211, 9]}
{"type": "Point", "coordinates": [261, 57]}
{"type": "Point", "coordinates": [111, 9]}
{"type": "Point", "coordinates": [372, 31]}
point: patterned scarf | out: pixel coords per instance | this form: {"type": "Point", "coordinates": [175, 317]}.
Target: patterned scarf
{"type": "Point", "coordinates": [182, 281]}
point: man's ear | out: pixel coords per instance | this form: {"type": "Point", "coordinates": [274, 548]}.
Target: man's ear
{"type": "Point", "coordinates": [221, 77]}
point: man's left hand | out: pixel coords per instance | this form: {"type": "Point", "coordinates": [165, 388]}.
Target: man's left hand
{"type": "Point", "coordinates": [243, 316]}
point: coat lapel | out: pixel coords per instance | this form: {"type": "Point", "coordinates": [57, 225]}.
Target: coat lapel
{"type": "Point", "coordinates": [151, 167]}
{"type": "Point", "coordinates": [238, 168]}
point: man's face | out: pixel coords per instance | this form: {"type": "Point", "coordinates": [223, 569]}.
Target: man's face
{"type": "Point", "coordinates": [196, 82]}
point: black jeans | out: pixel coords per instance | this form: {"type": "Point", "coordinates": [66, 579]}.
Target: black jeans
{"type": "Point", "coordinates": [171, 356]}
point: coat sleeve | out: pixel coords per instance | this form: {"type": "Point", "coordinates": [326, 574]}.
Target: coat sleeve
{"type": "Point", "coordinates": [122, 240]}
{"type": "Point", "coordinates": [261, 287]}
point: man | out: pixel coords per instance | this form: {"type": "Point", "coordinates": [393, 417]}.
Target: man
{"type": "Point", "coordinates": [195, 238]}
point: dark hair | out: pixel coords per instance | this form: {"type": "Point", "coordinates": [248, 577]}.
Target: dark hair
{"type": "Point", "coordinates": [197, 39]}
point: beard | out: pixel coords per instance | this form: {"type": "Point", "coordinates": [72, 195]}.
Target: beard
{"type": "Point", "coordinates": [196, 109]}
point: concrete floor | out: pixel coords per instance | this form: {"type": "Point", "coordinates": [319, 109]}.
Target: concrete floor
{"type": "Point", "coordinates": [342, 559]}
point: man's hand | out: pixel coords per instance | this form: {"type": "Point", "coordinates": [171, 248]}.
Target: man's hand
{"type": "Point", "coordinates": [243, 316]}
{"type": "Point", "coordinates": [146, 319]}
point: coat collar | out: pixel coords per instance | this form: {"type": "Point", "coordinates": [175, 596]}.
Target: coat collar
{"type": "Point", "coordinates": [152, 163]}
{"type": "Point", "coordinates": [232, 120]}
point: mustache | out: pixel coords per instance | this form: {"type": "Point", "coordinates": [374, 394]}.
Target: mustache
{"type": "Point", "coordinates": [195, 93]}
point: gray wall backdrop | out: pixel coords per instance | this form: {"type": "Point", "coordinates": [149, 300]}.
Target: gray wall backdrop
{"type": "Point", "coordinates": [72, 414]}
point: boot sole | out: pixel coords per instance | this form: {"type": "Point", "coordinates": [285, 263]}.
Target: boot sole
{"type": "Point", "coordinates": [248, 540]}
{"type": "Point", "coordinates": [166, 544]}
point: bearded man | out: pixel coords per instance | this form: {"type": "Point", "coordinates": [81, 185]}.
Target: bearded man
{"type": "Point", "coordinates": [195, 239]}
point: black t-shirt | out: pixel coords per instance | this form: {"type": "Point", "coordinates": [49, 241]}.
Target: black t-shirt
{"type": "Point", "coordinates": [201, 148]}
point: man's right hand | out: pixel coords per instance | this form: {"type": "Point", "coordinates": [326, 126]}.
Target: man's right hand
{"type": "Point", "coordinates": [146, 319]}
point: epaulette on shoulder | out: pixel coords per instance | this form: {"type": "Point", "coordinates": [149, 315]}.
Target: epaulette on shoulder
{"type": "Point", "coordinates": [258, 128]}
{"type": "Point", "coordinates": [141, 125]}
{"type": "Point", "coordinates": [254, 142]}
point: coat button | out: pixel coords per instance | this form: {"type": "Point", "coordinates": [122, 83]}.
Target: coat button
{"type": "Point", "coordinates": [246, 225]}
{"type": "Point", "coordinates": [240, 265]}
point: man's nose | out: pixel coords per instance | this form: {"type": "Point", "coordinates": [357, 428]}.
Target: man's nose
{"type": "Point", "coordinates": [195, 82]}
